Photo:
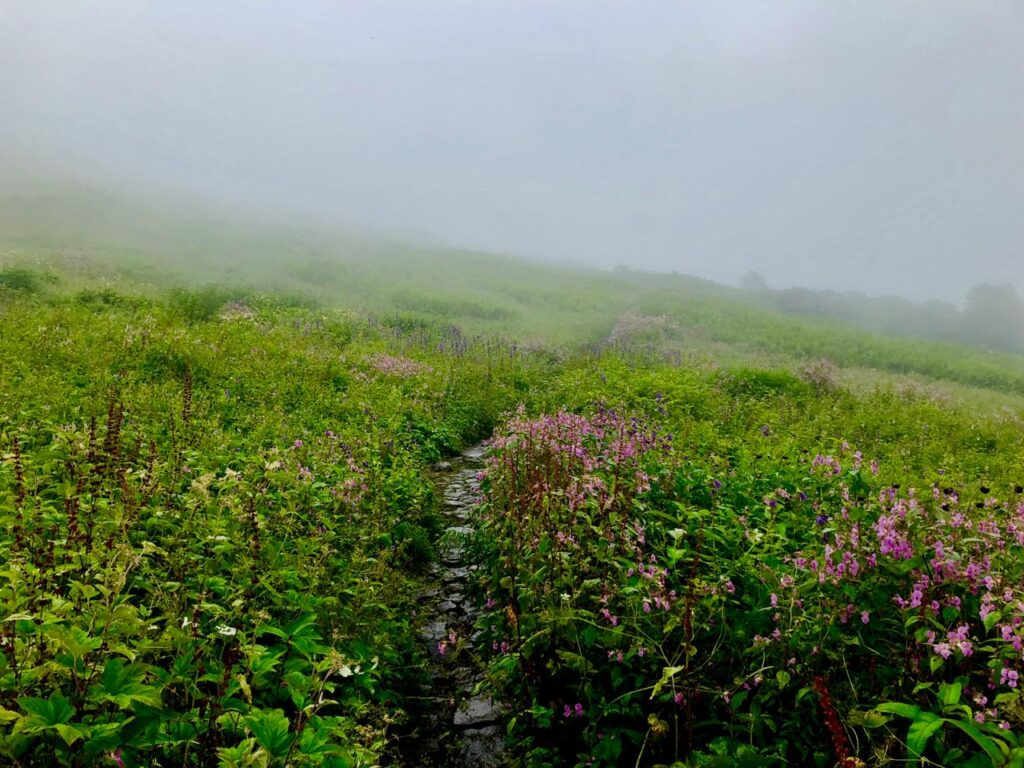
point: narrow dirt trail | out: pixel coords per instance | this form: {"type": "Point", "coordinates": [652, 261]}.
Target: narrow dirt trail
{"type": "Point", "coordinates": [455, 728]}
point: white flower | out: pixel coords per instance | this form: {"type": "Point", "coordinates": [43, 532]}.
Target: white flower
{"type": "Point", "coordinates": [227, 631]}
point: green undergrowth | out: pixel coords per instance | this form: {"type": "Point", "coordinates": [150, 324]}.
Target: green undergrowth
{"type": "Point", "coordinates": [753, 567]}
{"type": "Point", "coordinates": [216, 510]}
{"type": "Point", "coordinates": [210, 522]}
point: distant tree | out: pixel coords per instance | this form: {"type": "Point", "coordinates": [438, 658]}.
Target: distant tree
{"type": "Point", "coordinates": [754, 281]}
{"type": "Point", "coordinates": [994, 316]}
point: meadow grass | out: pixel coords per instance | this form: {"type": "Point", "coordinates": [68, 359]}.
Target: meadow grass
{"type": "Point", "coordinates": [707, 525]}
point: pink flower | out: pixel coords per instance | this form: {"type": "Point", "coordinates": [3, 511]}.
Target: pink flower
{"type": "Point", "coordinates": [1009, 677]}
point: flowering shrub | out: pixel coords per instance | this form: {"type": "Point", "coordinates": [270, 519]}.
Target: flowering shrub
{"type": "Point", "coordinates": [394, 365]}
{"type": "Point", "coordinates": [689, 612]}
{"type": "Point", "coordinates": [562, 515]}
{"type": "Point", "coordinates": [822, 375]}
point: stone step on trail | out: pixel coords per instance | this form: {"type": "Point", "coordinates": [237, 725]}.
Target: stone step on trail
{"type": "Point", "coordinates": [459, 726]}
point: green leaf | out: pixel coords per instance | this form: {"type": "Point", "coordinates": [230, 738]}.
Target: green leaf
{"type": "Point", "coordinates": [666, 675]}
{"type": "Point", "coordinates": [675, 554]}
{"type": "Point", "coordinates": [270, 729]}
{"type": "Point", "coordinates": [898, 708]}
{"type": "Point", "coordinates": [238, 756]}
{"type": "Point", "coordinates": [994, 749]}
{"type": "Point", "coordinates": [949, 693]}
{"type": "Point", "coordinates": [920, 732]}
{"type": "Point", "coordinates": [77, 642]}
{"type": "Point", "coordinates": [45, 713]}
{"type": "Point", "coordinates": [122, 684]}
{"type": "Point", "coordinates": [572, 660]}
{"type": "Point", "coordinates": [991, 620]}
{"type": "Point", "coordinates": [869, 719]}
{"type": "Point", "coordinates": [316, 740]}
{"type": "Point", "coordinates": [103, 737]}
{"type": "Point", "coordinates": [70, 733]}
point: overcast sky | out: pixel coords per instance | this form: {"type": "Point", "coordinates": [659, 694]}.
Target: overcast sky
{"type": "Point", "coordinates": [872, 145]}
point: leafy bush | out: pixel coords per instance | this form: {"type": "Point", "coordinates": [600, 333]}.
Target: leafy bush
{"type": "Point", "coordinates": [757, 382]}
{"type": "Point", "coordinates": [20, 279]}
{"type": "Point", "coordinates": [647, 608]}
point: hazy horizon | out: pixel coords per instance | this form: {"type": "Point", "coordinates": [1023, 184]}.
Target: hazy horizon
{"type": "Point", "coordinates": [871, 147]}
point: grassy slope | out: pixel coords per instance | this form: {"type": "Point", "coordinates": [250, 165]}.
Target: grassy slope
{"type": "Point", "coordinates": [93, 239]}
{"type": "Point", "coordinates": [280, 398]}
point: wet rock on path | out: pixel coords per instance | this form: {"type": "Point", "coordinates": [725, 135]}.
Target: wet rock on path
{"type": "Point", "coordinates": [456, 726]}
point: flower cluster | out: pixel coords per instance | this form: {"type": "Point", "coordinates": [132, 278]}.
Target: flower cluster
{"type": "Point", "coordinates": [400, 367]}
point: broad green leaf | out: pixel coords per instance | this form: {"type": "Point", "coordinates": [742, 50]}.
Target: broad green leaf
{"type": "Point", "coordinates": [77, 642]}
{"type": "Point", "coordinates": [898, 708]}
{"type": "Point", "coordinates": [122, 684]}
{"type": "Point", "coordinates": [991, 620]}
{"type": "Point", "coordinates": [949, 693]}
{"type": "Point", "coordinates": [996, 750]}
{"type": "Point", "coordinates": [70, 733]}
{"type": "Point", "coordinates": [920, 732]}
{"type": "Point", "coordinates": [46, 713]}
{"type": "Point", "coordinates": [270, 729]}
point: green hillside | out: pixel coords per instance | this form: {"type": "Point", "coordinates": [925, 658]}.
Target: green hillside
{"type": "Point", "coordinates": [701, 524]}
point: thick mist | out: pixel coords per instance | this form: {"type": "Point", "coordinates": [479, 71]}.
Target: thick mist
{"type": "Point", "coordinates": [869, 146]}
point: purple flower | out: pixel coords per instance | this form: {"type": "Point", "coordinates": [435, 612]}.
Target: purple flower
{"type": "Point", "coordinates": [1009, 677]}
